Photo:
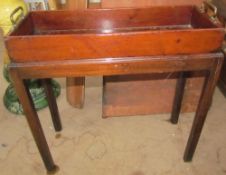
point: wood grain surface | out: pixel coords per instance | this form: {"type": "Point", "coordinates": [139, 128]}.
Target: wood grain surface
{"type": "Point", "coordinates": [156, 30]}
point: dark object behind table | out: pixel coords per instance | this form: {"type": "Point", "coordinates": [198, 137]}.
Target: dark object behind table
{"type": "Point", "coordinates": [221, 6]}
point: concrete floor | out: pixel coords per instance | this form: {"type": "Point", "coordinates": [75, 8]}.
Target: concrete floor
{"type": "Point", "coordinates": [90, 145]}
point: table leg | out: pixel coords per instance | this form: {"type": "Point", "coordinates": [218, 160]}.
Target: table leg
{"type": "Point", "coordinates": [179, 93]}
{"type": "Point", "coordinates": [203, 107]}
{"type": "Point", "coordinates": [52, 104]}
{"type": "Point", "coordinates": [33, 120]}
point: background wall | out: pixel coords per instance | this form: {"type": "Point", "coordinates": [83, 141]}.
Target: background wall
{"type": "Point", "coordinates": [95, 1]}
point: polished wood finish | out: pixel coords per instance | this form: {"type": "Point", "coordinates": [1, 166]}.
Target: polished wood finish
{"type": "Point", "coordinates": [203, 107]}
{"type": "Point", "coordinates": [33, 120]}
{"type": "Point", "coordinates": [27, 64]}
{"type": "Point", "coordinates": [151, 27]}
{"type": "Point", "coordinates": [116, 66]}
{"type": "Point", "coordinates": [72, 68]}
{"type": "Point", "coordinates": [52, 104]}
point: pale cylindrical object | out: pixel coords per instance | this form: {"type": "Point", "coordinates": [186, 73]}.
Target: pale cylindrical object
{"type": "Point", "coordinates": [63, 2]}
{"type": "Point", "coordinates": [52, 4]}
{"type": "Point", "coordinates": [76, 91]}
{"type": "Point", "coordinates": [76, 86]}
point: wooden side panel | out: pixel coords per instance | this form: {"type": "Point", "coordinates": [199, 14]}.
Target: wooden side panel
{"type": "Point", "coordinates": [111, 18]}
{"type": "Point", "coordinates": [147, 94]}
{"type": "Point", "coordinates": [91, 46]}
{"type": "Point", "coordinates": [116, 66]}
{"type": "Point", "coordinates": [26, 27]}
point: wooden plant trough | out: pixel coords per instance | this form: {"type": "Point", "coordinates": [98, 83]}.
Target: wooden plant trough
{"type": "Point", "coordinates": [109, 33]}
{"type": "Point", "coordinates": [114, 42]}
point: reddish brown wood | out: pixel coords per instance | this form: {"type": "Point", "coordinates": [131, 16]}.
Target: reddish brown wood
{"type": "Point", "coordinates": [27, 28]}
{"type": "Point", "coordinates": [130, 95]}
{"type": "Point", "coordinates": [114, 67]}
{"type": "Point", "coordinates": [90, 46]}
{"type": "Point", "coordinates": [121, 95]}
{"type": "Point", "coordinates": [32, 119]}
{"type": "Point", "coordinates": [159, 31]}
{"type": "Point", "coordinates": [203, 107]}
{"type": "Point", "coordinates": [100, 19]}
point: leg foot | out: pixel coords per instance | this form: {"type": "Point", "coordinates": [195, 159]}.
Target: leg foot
{"type": "Point", "coordinates": [54, 170]}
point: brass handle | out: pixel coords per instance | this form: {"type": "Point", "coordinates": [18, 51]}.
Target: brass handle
{"type": "Point", "coordinates": [21, 15]}
{"type": "Point", "coordinates": [209, 6]}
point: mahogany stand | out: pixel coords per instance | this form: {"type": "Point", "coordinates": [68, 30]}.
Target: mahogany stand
{"type": "Point", "coordinates": [210, 63]}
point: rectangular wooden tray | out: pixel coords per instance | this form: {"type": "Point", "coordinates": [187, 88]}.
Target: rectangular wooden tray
{"type": "Point", "coordinates": [103, 33]}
